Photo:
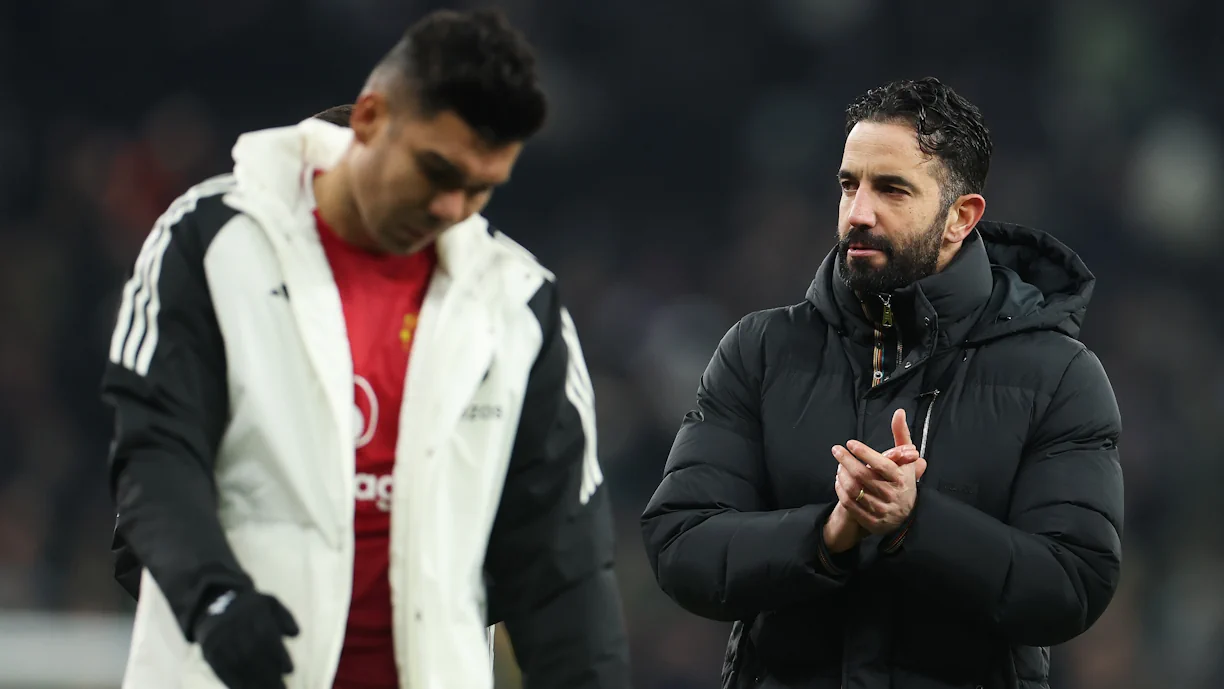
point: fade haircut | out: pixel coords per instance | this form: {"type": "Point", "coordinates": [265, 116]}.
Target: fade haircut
{"type": "Point", "coordinates": [338, 115]}
{"type": "Point", "coordinates": [473, 64]}
{"type": "Point", "coordinates": [948, 127]}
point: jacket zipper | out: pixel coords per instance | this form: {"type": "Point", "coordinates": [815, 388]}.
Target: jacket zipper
{"type": "Point", "coordinates": [926, 423]}
{"type": "Point", "coordinates": [415, 645]}
{"type": "Point", "coordinates": [930, 398]}
{"type": "Point", "coordinates": [877, 358]}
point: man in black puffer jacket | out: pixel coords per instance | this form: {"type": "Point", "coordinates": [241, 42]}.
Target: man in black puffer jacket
{"type": "Point", "coordinates": [931, 346]}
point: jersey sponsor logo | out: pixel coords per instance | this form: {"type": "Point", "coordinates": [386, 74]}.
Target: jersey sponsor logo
{"type": "Point", "coordinates": [375, 489]}
{"type": "Point", "coordinates": [365, 411]}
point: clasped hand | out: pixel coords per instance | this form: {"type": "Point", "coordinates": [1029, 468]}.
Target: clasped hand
{"type": "Point", "coordinates": [875, 490]}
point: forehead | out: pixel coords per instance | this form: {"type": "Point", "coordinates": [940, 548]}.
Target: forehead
{"type": "Point", "coordinates": [447, 135]}
{"type": "Point", "coordinates": [888, 148]}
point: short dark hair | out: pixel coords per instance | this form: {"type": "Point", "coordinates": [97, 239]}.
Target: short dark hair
{"type": "Point", "coordinates": [947, 125]}
{"type": "Point", "coordinates": [338, 115]}
{"type": "Point", "coordinates": [476, 65]}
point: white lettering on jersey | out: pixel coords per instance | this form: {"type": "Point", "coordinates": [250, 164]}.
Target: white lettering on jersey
{"type": "Point", "coordinates": [364, 426]}
{"type": "Point", "coordinates": [376, 489]}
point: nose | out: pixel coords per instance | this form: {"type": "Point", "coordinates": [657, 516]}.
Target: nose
{"type": "Point", "coordinates": [862, 210]}
{"type": "Point", "coordinates": [448, 206]}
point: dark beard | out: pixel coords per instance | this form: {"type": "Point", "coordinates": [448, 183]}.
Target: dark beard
{"type": "Point", "coordinates": [904, 264]}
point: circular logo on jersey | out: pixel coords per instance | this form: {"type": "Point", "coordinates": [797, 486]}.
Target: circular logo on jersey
{"type": "Point", "coordinates": [365, 411]}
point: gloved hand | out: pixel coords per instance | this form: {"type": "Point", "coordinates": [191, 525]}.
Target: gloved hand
{"type": "Point", "coordinates": [241, 634]}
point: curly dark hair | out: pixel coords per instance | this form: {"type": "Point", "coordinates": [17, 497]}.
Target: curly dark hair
{"type": "Point", "coordinates": [338, 115]}
{"type": "Point", "coordinates": [476, 65]}
{"type": "Point", "coordinates": [948, 126]}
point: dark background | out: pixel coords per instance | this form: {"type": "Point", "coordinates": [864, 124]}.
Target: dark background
{"type": "Point", "coordinates": [686, 178]}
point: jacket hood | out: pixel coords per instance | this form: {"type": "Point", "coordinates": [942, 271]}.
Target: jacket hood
{"type": "Point", "coordinates": [273, 168]}
{"type": "Point", "coordinates": [1037, 283]}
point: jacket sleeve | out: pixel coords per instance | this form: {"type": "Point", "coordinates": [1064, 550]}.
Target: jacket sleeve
{"type": "Point", "coordinates": [166, 382]}
{"type": "Point", "coordinates": [549, 568]}
{"type": "Point", "coordinates": [717, 545]}
{"type": "Point", "coordinates": [1046, 575]}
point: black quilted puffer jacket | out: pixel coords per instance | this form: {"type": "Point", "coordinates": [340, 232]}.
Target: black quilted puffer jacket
{"type": "Point", "coordinates": [1014, 542]}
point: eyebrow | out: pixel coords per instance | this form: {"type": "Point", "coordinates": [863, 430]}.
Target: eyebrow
{"type": "Point", "coordinates": [879, 180]}
{"type": "Point", "coordinates": [453, 173]}
{"type": "Point", "coordinates": [442, 165]}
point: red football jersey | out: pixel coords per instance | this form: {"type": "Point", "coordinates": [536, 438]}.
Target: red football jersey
{"type": "Point", "coordinates": [382, 298]}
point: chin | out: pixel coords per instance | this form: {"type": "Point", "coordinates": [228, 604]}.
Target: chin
{"type": "Point", "coordinates": [387, 244]}
{"type": "Point", "coordinates": [403, 245]}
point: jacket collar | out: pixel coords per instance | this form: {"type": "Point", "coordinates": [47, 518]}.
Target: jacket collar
{"type": "Point", "coordinates": [272, 168]}
{"type": "Point", "coordinates": [946, 304]}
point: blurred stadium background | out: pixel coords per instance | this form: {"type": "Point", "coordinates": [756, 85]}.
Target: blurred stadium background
{"type": "Point", "coordinates": [686, 178]}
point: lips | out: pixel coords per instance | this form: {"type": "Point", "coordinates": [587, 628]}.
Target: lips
{"type": "Point", "coordinates": [862, 252]}
{"type": "Point", "coordinates": [863, 248]}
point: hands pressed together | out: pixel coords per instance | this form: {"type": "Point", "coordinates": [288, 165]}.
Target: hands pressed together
{"type": "Point", "coordinates": [875, 491]}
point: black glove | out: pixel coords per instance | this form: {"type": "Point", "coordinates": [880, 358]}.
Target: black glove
{"type": "Point", "coordinates": [240, 633]}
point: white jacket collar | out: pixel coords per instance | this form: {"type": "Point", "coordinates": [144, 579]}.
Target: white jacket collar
{"type": "Point", "coordinates": [271, 167]}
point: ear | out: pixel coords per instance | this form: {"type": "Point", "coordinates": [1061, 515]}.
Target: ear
{"type": "Point", "coordinates": [370, 113]}
{"type": "Point", "coordinates": [963, 216]}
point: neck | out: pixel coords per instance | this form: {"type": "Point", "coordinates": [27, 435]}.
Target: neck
{"type": "Point", "coordinates": [947, 252]}
{"type": "Point", "coordinates": [338, 208]}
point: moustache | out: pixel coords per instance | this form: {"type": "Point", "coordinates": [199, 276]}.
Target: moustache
{"type": "Point", "coordinates": [863, 239]}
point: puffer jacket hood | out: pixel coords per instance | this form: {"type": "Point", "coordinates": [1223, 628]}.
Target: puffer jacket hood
{"type": "Point", "coordinates": [1039, 283]}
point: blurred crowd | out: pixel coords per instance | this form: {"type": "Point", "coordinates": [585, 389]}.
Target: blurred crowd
{"type": "Point", "coordinates": [687, 177]}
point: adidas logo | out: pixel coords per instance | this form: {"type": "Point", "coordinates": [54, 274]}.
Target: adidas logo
{"type": "Point", "coordinates": [222, 603]}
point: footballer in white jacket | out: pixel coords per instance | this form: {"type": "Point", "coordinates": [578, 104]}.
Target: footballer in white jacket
{"type": "Point", "coordinates": [354, 427]}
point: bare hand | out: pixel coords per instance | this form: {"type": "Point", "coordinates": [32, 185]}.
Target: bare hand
{"type": "Point", "coordinates": [886, 491]}
{"type": "Point", "coordinates": [885, 502]}
{"type": "Point", "coordinates": [903, 453]}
